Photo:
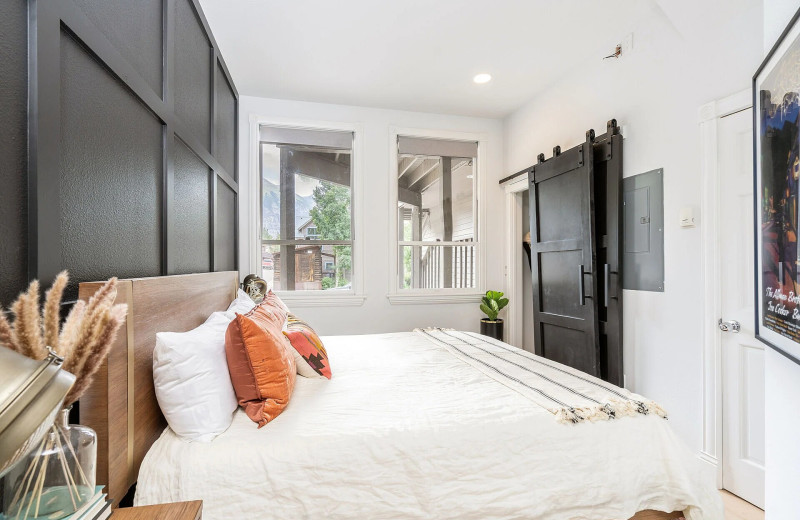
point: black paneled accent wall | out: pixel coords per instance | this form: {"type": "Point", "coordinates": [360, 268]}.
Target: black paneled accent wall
{"type": "Point", "coordinates": [119, 142]}
{"type": "Point", "coordinates": [13, 147]}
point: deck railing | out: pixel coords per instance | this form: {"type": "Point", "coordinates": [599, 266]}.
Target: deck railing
{"type": "Point", "coordinates": [462, 274]}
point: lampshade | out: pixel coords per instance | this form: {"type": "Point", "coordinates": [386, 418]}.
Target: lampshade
{"type": "Point", "coordinates": [31, 394]}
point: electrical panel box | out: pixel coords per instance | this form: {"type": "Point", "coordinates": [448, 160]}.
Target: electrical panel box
{"type": "Point", "coordinates": [643, 231]}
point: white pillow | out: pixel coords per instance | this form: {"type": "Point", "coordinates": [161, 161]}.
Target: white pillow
{"type": "Point", "coordinates": [242, 304]}
{"type": "Point", "coordinates": [192, 384]}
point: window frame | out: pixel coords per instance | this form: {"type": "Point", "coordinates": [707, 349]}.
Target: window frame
{"type": "Point", "coordinates": [322, 298]}
{"type": "Point", "coordinates": [398, 296]}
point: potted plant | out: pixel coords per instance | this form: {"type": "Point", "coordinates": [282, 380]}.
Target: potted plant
{"type": "Point", "coordinates": [491, 304]}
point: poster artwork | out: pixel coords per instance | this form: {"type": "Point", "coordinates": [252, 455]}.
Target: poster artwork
{"type": "Point", "coordinates": [780, 210]}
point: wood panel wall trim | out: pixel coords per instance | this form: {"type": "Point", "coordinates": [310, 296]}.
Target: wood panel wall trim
{"type": "Point", "coordinates": [130, 390]}
{"type": "Point", "coordinates": [108, 397]}
{"type": "Point", "coordinates": [120, 404]}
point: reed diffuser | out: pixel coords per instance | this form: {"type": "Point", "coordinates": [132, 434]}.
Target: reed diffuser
{"type": "Point", "coordinates": [58, 477]}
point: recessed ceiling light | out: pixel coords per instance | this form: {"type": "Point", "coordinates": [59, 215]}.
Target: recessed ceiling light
{"type": "Point", "coordinates": [482, 78]}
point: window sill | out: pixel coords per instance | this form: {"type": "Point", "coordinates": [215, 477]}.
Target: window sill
{"type": "Point", "coordinates": [418, 298]}
{"type": "Point", "coordinates": [314, 299]}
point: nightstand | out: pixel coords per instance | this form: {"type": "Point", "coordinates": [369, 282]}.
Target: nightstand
{"type": "Point", "coordinates": [175, 511]}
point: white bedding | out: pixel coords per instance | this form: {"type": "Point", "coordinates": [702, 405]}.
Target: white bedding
{"type": "Point", "coordinates": [407, 430]}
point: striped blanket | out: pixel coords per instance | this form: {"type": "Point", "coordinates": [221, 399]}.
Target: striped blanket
{"type": "Point", "coordinates": [570, 395]}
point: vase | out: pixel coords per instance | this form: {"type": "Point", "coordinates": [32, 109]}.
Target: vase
{"type": "Point", "coordinates": [56, 478]}
{"type": "Point", "coordinates": [492, 328]}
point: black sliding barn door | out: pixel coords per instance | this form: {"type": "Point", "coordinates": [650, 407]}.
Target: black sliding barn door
{"type": "Point", "coordinates": [608, 219]}
{"type": "Point", "coordinates": [563, 258]}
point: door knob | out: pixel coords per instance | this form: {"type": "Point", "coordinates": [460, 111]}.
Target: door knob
{"type": "Point", "coordinates": [729, 326]}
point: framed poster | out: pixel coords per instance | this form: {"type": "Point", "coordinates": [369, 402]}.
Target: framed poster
{"type": "Point", "coordinates": [776, 134]}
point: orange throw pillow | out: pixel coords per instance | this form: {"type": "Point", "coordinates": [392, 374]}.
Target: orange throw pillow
{"type": "Point", "coordinates": [261, 362]}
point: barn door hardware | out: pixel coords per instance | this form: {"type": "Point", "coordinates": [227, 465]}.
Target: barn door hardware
{"type": "Point", "coordinates": [603, 146]}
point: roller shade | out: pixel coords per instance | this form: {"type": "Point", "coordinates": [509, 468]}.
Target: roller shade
{"type": "Point", "coordinates": [436, 147]}
{"type": "Point", "coordinates": [323, 138]}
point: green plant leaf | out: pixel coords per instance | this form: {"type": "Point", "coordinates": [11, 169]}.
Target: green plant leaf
{"type": "Point", "coordinates": [488, 312]}
{"type": "Point", "coordinates": [499, 294]}
{"type": "Point", "coordinates": [494, 306]}
{"type": "Point", "coordinates": [502, 302]}
{"type": "Point", "coordinates": [485, 300]}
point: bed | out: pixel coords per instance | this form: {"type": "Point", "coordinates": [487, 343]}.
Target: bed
{"type": "Point", "coordinates": [409, 427]}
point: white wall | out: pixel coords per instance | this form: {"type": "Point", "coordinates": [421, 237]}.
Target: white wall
{"type": "Point", "coordinates": [783, 442]}
{"type": "Point", "coordinates": [782, 375]}
{"type": "Point", "coordinates": [654, 92]}
{"type": "Point", "coordinates": [377, 314]}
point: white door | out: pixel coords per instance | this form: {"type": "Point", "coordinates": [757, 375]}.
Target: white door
{"type": "Point", "coordinates": [742, 354]}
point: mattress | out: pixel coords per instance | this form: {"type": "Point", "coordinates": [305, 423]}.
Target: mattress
{"type": "Point", "coordinates": [407, 430]}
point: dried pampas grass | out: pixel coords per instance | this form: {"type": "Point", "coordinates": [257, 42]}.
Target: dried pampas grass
{"type": "Point", "coordinates": [52, 307]}
{"type": "Point", "coordinates": [84, 339]}
{"type": "Point", "coordinates": [27, 325]}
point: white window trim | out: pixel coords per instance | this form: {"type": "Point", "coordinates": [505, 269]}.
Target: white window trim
{"type": "Point", "coordinates": [356, 296]}
{"type": "Point", "coordinates": [397, 296]}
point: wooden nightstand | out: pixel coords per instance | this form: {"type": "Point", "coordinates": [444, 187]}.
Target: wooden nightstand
{"type": "Point", "coordinates": [174, 511]}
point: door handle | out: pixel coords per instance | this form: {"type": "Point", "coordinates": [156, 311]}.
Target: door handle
{"type": "Point", "coordinates": [729, 326]}
{"type": "Point", "coordinates": [607, 272]}
{"type": "Point", "coordinates": [581, 290]}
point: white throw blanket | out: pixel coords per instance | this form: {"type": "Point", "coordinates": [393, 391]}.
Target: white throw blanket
{"type": "Point", "coordinates": [571, 395]}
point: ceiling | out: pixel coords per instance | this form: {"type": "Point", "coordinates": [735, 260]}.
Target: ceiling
{"type": "Point", "coordinates": [415, 54]}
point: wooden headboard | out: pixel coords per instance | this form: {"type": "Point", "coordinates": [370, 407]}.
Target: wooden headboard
{"type": "Point", "coordinates": [121, 404]}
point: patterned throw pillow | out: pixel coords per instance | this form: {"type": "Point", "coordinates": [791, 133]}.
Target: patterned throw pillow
{"type": "Point", "coordinates": [261, 362]}
{"type": "Point", "coordinates": [310, 356]}
{"type": "Point", "coordinates": [273, 300]}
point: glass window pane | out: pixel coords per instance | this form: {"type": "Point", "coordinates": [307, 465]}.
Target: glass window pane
{"type": "Point", "coordinates": [437, 267]}
{"type": "Point", "coordinates": [436, 198]}
{"type": "Point", "coordinates": [306, 196]}
{"type": "Point", "coordinates": [322, 194]}
{"type": "Point", "coordinates": [316, 267]}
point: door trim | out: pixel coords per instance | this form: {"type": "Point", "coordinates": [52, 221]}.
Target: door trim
{"type": "Point", "coordinates": [708, 119]}
{"type": "Point", "coordinates": [514, 191]}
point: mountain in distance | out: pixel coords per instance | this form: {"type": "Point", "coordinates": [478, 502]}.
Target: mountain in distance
{"type": "Point", "coordinates": [271, 208]}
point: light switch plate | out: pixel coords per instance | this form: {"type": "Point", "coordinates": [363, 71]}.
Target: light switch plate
{"type": "Point", "coordinates": [687, 217]}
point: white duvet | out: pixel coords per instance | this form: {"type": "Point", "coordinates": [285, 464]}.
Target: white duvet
{"type": "Point", "coordinates": [407, 430]}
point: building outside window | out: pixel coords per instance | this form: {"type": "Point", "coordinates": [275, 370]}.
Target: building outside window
{"type": "Point", "coordinates": [306, 209]}
{"type": "Point", "coordinates": [437, 208]}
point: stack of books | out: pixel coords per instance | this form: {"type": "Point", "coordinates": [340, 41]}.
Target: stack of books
{"type": "Point", "coordinates": [55, 501]}
{"type": "Point", "coordinates": [96, 508]}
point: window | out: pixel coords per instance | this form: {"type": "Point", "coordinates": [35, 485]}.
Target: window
{"type": "Point", "coordinates": [306, 209]}
{"type": "Point", "coordinates": [436, 207]}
